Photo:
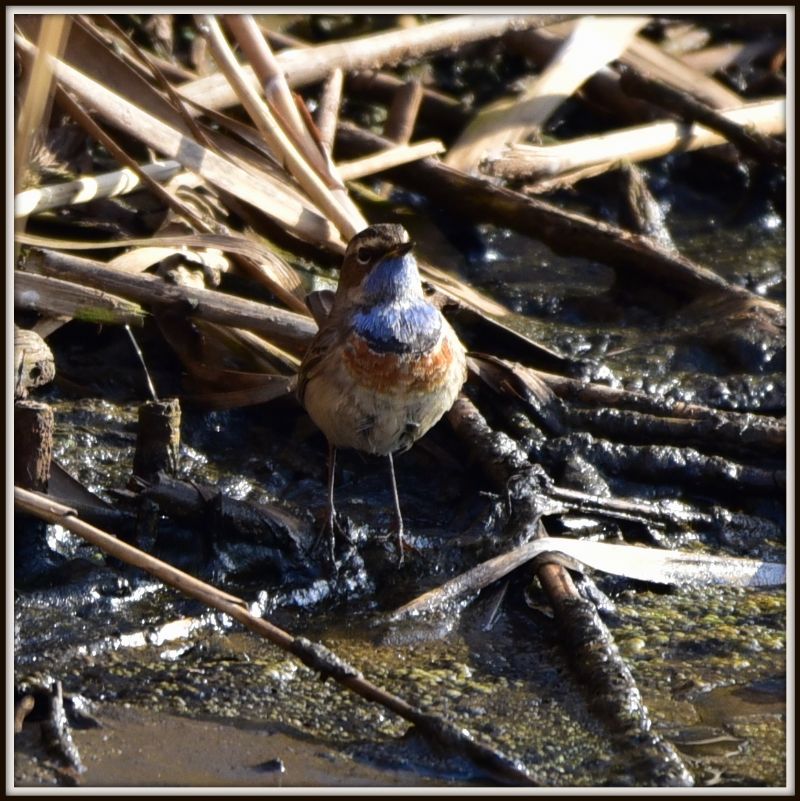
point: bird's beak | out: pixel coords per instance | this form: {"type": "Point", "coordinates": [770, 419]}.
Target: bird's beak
{"type": "Point", "coordinates": [400, 249]}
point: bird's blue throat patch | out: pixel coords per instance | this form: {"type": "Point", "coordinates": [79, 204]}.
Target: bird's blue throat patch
{"type": "Point", "coordinates": [392, 280]}
{"type": "Point", "coordinates": [399, 327]}
{"type": "Point", "coordinates": [395, 317]}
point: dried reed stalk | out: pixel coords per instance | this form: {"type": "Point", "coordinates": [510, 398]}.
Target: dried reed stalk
{"type": "Point", "coordinates": [277, 139]}
{"type": "Point", "coordinates": [298, 126]}
{"type": "Point", "coordinates": [308, 65]}
{"type": "Point", "coordinates": [638, 143]}
{"type": "Point", "coordinates": [591, 45]}
{"type": "Point", "coordinates": [328, 111]}
{"type": "Point", "coordinates": [391, 157]}
{"type": "Point", "coordinates": [82, 190]}
{"type": "Point", "coordinates": [258, 188]}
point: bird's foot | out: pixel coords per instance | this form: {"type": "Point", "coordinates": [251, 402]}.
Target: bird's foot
{"type": "Point", "coordinates": [397, 531]}
{"type": "Point", "coordinates": [334, 525]}
{"type": "Point", "coordinates": [329, 527]}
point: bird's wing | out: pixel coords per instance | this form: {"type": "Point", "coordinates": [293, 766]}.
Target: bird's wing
{"type": "Point", "coordinates": [329, 337]}
{"type": "Point", "coordinates": [320, 304]}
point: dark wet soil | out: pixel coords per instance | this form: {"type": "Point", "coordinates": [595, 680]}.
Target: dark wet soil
{"type": "Point", "coordinates": [134, 747]}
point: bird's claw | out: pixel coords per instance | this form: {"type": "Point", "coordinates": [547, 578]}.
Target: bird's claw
{"type": "Point", "coordinates": [396, 532]}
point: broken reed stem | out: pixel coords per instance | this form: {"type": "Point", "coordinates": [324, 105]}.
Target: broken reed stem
{"type": "Point", "coordinates": [158, 439]}
{"type": "Point", "coordinates": [33, 439]}
{"type": "Point", "coordinates": [328, 110]}
{"type": "Point", "coordinates": [391, 157]}
{"type": "Point", "coordinates": [639, 211]}
{"type": "Point", "coordinates": [403, 111]}
{"type": "Point", "coordinates": [314, 655]}
{"type": "Point", "coordinates": [273, 83]}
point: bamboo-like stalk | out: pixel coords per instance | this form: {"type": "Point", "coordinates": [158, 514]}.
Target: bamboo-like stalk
{"type": "Point", "coordinates": [381, 86]}
{"type": "Point", "coordinates": [255, 187]}
{"type": "Point", "coordinates": [591, 45]}
{"type": "Point", "coordinates": [315, 655]}
{"type": "Point", "coordinates": [273, 84]}
{"type": "Point", "coordinates": [347, 224]}
{"type": "Point", "coordinates": [82, 190]}
{"type": "Point", "coordinates": [637, 143]}
{"type": "Point", "coordinates": [308, 65]}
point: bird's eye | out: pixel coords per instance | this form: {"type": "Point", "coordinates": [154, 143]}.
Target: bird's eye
{"type": "Point", "coordinates": [363, 255]}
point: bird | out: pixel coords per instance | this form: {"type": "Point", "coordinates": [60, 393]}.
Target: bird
{"type": "Point", "coordinates": [385, 365]}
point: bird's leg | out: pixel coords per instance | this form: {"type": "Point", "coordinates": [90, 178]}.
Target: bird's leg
{"type": "Point", "coordinates": [397, 512]}
{"type": "Point", "coordinates": [331, 507]}
{"type": "Point", "coordinates": [331, 521]}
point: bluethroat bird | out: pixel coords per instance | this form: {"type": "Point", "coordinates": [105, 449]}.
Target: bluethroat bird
{"type": "Point", "coordinates": [385, 365]}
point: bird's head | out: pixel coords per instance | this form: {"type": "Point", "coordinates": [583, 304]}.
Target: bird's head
{"type": "Point", "coordinates": [379, 267]}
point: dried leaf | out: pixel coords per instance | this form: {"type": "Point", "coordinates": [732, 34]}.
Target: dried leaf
{"type": "Point", "coordinates": [634, 562]}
